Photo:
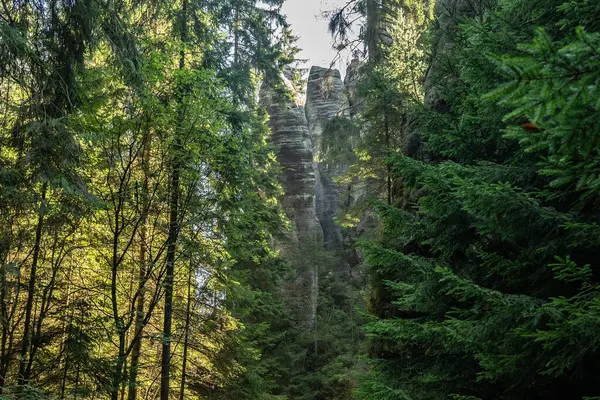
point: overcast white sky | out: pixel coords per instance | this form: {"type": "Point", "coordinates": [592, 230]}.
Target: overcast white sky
{"type": "Point", "coordinates": [307, 23]}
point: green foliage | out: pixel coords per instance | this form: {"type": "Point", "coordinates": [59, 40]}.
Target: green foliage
{"type": "Point", "coordinates": [556, 88]}
{"type": "Point", "coordinates": [24, 393]}
{"type": "Point", "coordinates": [579, 13]}
{"type": "Point", "coordinates": [101, 105]}
{"type": "Point", "coordinates": [340, 137]}
{"type": "Point", "coordinates": [567, 270]}
{"type": "Point", "coordinates": [484, 272]}
{"type": "Point", "coordinates": [281, 358]}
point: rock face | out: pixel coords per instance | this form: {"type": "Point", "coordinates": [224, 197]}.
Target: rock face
{"type": "Point", "coordinates": [311, 198]}
{"type": "Point", "coordinates": [447, 15]}
{"type": "Point", "coordinates": [290, 135]}
{"type": "Point", "coordinates": [324, 100]}
{"type": "Point", "coordinates": [350, 81]}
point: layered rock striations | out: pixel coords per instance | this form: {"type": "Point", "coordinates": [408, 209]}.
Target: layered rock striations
{"type": "Point", "coordinates": [350, 91]}
{"type": "Point", "coordinates": [324, 101]}
{"type": "Point", "coordinates": [311, 197]}
{"type": "Point", "coordinates": [290, 135]}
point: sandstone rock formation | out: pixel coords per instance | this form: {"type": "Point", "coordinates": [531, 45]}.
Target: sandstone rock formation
{"type": "Point", "coordinates": [311, 198]}
{"type": "Point", "coordinates": [448, 13]}
{"type": "Point", "coordinates": [350, 81]}
{"type": "Point", "coordinates": [290, 136]}
{"type": "Point", "coordinates": [324, 100]}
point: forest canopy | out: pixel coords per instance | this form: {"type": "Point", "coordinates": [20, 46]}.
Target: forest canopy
{"type": "Point", "coordinates": [186, 214]}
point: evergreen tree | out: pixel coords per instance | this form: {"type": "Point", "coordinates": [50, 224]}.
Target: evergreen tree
{"type": "Point", "coordinates": [482, 281]}
{"type": "Point", "coordinates": [127, 169]}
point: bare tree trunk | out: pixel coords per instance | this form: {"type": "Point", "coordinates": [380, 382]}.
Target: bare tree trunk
{"type": "Point", "coordinates": [372, 29]}
{"type": "Point", "coordinates": [47, 296]}
{"type": "Point", "coordinates": [387, 163]}
{"type": "Point", "coordinates": [187, 332]}
{"type": "Point", "coordinates": [168, 283]}
{"type": "Point", "coordinates": [24, 362]}
{"type": "Point", "coordinates": [118, 372]}
{"type": "Point", "coordinates": [139, 318]}
{"type": "Point", "coordinates": [5, 327]}
{"type": "Point", "coordinates": [119, 324]}
{"type": "Point", "coordinates": [63, 384]}
{"type": "Point", "coordinates": [65, 335]}
{"type": "Point", "coordinates": [9, 335]}
{"type": "Point", "coordinates": [173, 228]}
{"type": "Point", "coordinates": [124, 380]}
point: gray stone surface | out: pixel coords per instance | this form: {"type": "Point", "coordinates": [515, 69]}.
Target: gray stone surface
{"type": "Point", "coordinates": [290, 135]}
{"type": "Point", "coordinates": [324, 100]}
{"type": "Point", "coordinates": [311, 197]}
{"type": "Point", "coordinates": [448, 14]}
{"type": "Point", "coordinates": [350, 82]}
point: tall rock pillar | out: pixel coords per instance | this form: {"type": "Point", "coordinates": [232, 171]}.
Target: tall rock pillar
{"type": "Point", "coordinates": [290, 135]}
{"type": "Point", "coordinates": [324, 101]}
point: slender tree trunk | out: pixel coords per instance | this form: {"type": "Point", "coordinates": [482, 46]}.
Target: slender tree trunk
{"type": "Point", "coordinates": [372, 29]}
{"type": "Point", "coordinates": [24, 362]}
{"type": "Point", "coordinates": [10, 335]}
{"type": "Point", "coordinates": [118, 321]}
{"type": "Point", "coordinates": [63, 384]}
{"type": "Point", "coordinates": [315, 305]}
{"type": "Point", "coordinates": [139, 319]}
{"type": "Point", "coordinates": [173, 228]}
{"type": "Point", "coordinates": [65, 335]}
{"type": "Point", "coordinates": [236, 37]}
{"type": "Point", "coordinates": [118, 373]}
{"type": "Point", "coordinates": [5, 327]}
{"type": "Point", "coordinates": [168, 283]}
{"type": "Point", "coordinates": [187, 333]}
{"type": "Point", "coordinates": [11, 327]}
{"type": "Point", "coordinates": [124, 380]}
{"type": "Point", "coordinates": [44, 308]}
{"type": "Point", "coordinates": [387, 163]}
{"type": "Point", "coordinates": [124, 373]}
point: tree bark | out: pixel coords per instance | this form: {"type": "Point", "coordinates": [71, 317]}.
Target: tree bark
{"type": "Point", "coordinates": [372, 30]}
{"type": "Point", "coordinates": [118, 372]}
{"type": "Point", "coordinates": [187, 333]}
{"type": "Point", "coordinates": [24, 362]}
{"type": "Point", "coordinates": [168, 283]}
{"type": "Point", "coordinates": [65, 336]}
{"type": "Point", "coordinates": [173, 227]}
{"type": "Point", "coordinates": [47, 296]}
{"type": "Point", "coordinates": [118, 321]}
{"type": "Point", "coordinates": [387, 163]}
{"type": "Point", "coordinates": [4, 352]}
{"type": "Point", "coordinates": [139, 319]}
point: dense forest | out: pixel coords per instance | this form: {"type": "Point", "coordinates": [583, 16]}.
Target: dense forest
{"type": "Point", "coordinates": [185, 213]}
